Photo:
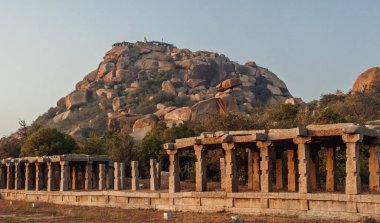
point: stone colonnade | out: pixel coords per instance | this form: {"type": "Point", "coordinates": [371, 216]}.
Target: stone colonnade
{"type": "Point", "coordinates": [268, 147]}
{"type": "Point", "coordinates": [61, 173]}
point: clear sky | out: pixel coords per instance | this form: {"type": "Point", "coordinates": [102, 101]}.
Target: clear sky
{"type": "Point", "coordinates": [46, 47]}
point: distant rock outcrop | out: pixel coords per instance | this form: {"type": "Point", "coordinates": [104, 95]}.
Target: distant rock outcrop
{"type": "Point", "coordinates": [138, 84]}
{"type": "Point", "coordinates": [366, 80]}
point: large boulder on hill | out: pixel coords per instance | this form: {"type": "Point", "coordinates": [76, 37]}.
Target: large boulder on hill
{"type": "Point", "coordinates": [179, 114]}
{"type": "Point", "coordinates": [366, 80]}
{"type": "Point", "coordinates": [228, 84]}
{"type": "Point", "coordinates": [77, 99]}
{"type": "Point", "coordinates": [168, 87]}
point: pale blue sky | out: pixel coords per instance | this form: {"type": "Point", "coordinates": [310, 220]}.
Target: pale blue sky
{"type": "Point", "coordinates": [314, 46]}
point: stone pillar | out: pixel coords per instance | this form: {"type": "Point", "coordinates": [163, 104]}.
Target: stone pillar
{"type": "Point", "coordinates": [158, 170]}
{"type": "Point", "coordinates": [266, 165]}
{"type": "Point", "coordinates": [116, 183]}
{"type": "Point", "coordinates": [88, 176]}
{"type": "Point", "coordinates": [353, 183]}
{"type": "Point", "coordinates": [110, 178]}
{"type": "Point", "coordinates": [73, 177]}
{"type": "Point", "coordinates": [256, 171]}
{"type": "Point", "coordinates": [65, 169]}
{"type": "Point", "coordinates": [2, 176]}
{"type": "Point", "coordinates": [279, 181]}
{"type": "Point", "coordinates": [200, 168]}
{"type": "Point", "coordinates": [231, 182]}
{"type": "Point", "coordinates": [250, 168]}
{"type": "Point", "coordinates": [330, 169]}
{"type": "Point", "coordinates": [39, 177]}
{"type": "Point", "coordinates": [374, 168]}
{"type": "Point", "coordinates": [292, 172]}
{"type": "Point", "coordinates": [17, 176]}
{"type": "Point", "coordinates": [135, 175]}
{"type": "Point", "coordinates": [102, 176]}
{"type": "Point", "coordinates": [153, 175]}
{"type": "Point", "coordinates": [174, 181]}
{"type": "Point", "coordinates": [50, 182]}
{"type": "Point", "coordinates": [122, 176]}
{"type": "Point", "coordinates": [10, 176]}
{"type": "Point", "coordinates": [222, 173]}
{"type": "Point", "coordinates": [314, 169]}
{"type": "Point", "coordinates": [304, 181]}
{"type": "Point", "coordinates": [28, 177]}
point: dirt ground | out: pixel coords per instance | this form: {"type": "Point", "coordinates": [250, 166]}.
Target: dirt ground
{"type": "Point", "coordinates": [20, 211]}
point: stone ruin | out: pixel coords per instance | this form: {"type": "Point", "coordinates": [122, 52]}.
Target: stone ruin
{"type": "Point", "coordinates": [68, 179]}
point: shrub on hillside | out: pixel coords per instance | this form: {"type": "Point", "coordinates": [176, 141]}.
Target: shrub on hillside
{"type": "Point", "coordinates": [9, 147]}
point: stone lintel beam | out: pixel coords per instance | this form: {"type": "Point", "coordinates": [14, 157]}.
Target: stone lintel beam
{"type": "Point", "coordinates": [327, 129]}
{"type": "Point", "coordinates": [216, 140]}
{"type": "Point", "coordinates": [169, 146]}
{"type": "Point", "coordinates": [281, 134]}
{"type": "Point", "coordinates": [231, 183]}
{"type": "Point", "coordinates": [200, 168]}
{"type": "Point", "coordinates": [206, 135]}
{"type": "Point", "coordinates": [187, 142]}
{"type": "Point", "coordinates": [250, 138]}
{"type": "Point", "coordinates": [359, 129]}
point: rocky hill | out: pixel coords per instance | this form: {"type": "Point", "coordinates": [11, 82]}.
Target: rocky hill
{"type": "Point", "coordinates": [140, 83]}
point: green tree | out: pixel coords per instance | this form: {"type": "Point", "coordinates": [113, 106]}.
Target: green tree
{"type": "Point", "coordinates": [48, 141]}
{"type": "Point", "coordinates": [9, 147]}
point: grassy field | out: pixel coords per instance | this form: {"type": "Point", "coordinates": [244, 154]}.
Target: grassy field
{"type": "Point", "coordinates": [20, 211]}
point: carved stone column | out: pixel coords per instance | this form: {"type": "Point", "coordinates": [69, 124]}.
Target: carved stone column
{"type": "Point", "coordinates": [50, 178]}
{"type": "Point", "coordinates": [65, 168]}
{"type": "Point", "coordinates": [122, 176]}
{"type": "Point", "coordinates": [102, 176]}
{"type": "Point", "coordinates": [153, 175]}
{"type": "Point", "coordinates": [314, 169]}
{"type": "Point", "coordinates": [250, 168]}
{"type": "Point", "coordinates": [28, 177]}
{"type": "Point", "coordinates": [200, 168]}
{"type": "Point", "coordinates": [292, 172]}
{"type": "Point", "coordinates": [304, 181]}
{"type": "Point", "coordinates": [279, 181]}
{"type": "Point", "coordinates": [374, 168]}
{"type": "Point", "coordinates": [266, 165]}
{"type": "Point", "coordinates": [231, 182]}
{"type": "Point", "coordinates": [116, 183]}
{"type": "Point", "coordinates": [88, 176]}
{"type": "Point", "coordinates": [73, 177]}
{"type": "Point", "coordinates": [222, 173]}
{"type": "Point", "coordinates": [135, 176]}
{"type": "Point", "coordinates": [353, 183]}
{"type": "Point", "coordinates": [10, 176]}
{"type": "Point", "coordinates": [110, 176]}
{"type": "Point", "coordinates": [256, 171]}
{"type": "Point", "coordinates": [2, 176]}
{"type": "Point", "coordinates": [330, 169]}
{"type": "Point", "coordinates": [158, 170]}
{"type": "Point", "coordinates": [174, 181]}
{"type": "Point", "coordinates": [39, 176]}
{"type": "Point", "coordinates": [17, 176]}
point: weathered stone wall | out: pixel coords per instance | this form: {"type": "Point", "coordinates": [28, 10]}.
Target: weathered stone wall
{"type": "Point", "coordinates": [321, 205]}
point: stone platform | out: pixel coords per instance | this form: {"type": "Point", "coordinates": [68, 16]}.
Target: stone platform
{"type": "Point", "coordinates": [313, 205]}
